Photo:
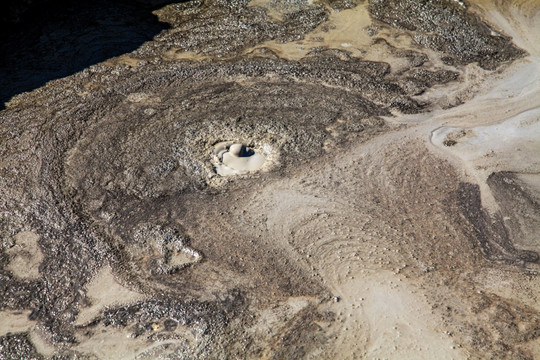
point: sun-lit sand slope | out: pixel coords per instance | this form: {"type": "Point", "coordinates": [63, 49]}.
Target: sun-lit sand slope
{"type": "Point", "coordinates": [282, 180]}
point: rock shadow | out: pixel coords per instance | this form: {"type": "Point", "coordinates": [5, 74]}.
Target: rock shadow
{"type": "Point", "coordinates": [43, 40]}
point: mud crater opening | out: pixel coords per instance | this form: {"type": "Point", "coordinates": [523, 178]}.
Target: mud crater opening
{"type": "Point", "coordinates": [232, 158]}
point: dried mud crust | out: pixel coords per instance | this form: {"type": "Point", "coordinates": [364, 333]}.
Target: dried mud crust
{"type": "Point", "coordinates": [183, 111]}
{"type": "Point", "coordinates": [292, 108]}
{"type": "Point", "coordinates": [490, 231]}
{"type": "Point", "coordinates": [90, 179]}
{"type": "Point", "coordinates": [112, 166]}
{"type": "Point", "coordinates": [399, 210]}
{"type": "Point", "coordinates": [520, 207]}
{"type": "Point", "coordinates": [447, 26]}
{"type": "Point", "coordinates": [226, 28]}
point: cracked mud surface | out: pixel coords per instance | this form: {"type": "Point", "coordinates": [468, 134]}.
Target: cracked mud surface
{"type": "Point", "coordinates": [396, 214]}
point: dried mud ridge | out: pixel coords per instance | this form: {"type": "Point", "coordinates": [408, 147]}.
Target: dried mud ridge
{"type": "Point", "coordinates": [112, 166]}
{"type": "Point", "coordinates": [491, 232]}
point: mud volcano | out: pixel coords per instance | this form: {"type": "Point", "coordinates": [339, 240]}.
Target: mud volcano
{"type": "Point", "coordinates": [237, 159]}
{"type": "Point", "coordinates": [208, 190]}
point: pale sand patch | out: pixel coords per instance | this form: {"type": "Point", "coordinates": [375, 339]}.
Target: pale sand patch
{"type": "Point", "coordinates": [123, 60]}
{"type": "Point", "coordinates": [390, 319]}
{"type": "Point", "coordinates": [344, 29]}
{"type": "Point", "coordinates": [504, 118]}
{"type": "Point", "coordinates": [509, 94]}
{"type": "Point", "coordinates": [14, 321]}
{"type": "Point", "coordinates": [25, 256]}
{"type": "Point", "coordinates": [515, 139]}
{"type": "Point", "coordinates": [38, 339]}
{"type": "Point", "coordinates": [508, 284]}
{"type": "Point", "coordinates": [533, 182]}
{"type": "Point", "coordinates": [104, 291]}
{"type": "Point", "coordinates": [118, 343]}
{"type": "Point", "coordinates": [517, 18]}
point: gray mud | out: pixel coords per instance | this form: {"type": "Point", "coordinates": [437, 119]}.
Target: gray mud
{"type": "Point", "coordinates": [113, 166]}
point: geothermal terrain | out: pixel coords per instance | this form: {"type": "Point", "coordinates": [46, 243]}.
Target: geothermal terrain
{"type": "Point", "coordinates": [271, 179]}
